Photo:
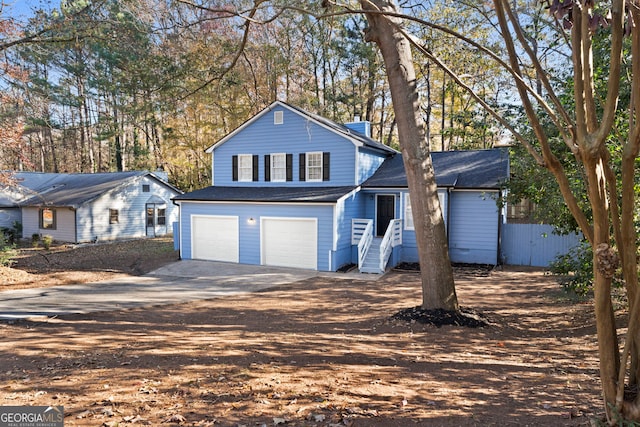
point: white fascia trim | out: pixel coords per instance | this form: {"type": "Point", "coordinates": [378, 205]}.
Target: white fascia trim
{"type": "Point", "coordinates": [242, 126]}
{"type": "Point", "coordinates": [354, 141]}
{"type": "Point", "coordinates": [349, 194]}
{"type": "Point", "coordinates": [387, 189]}
{"type": "Point", "coordinates": [334, 243]}
{"type": "Point", "coordinates": [259, 203]}
{"type": "Point", "coordinates": [322, 125]}
{"type": "Point", "coordinates": [341, 200]}
{"type": "Point", "coordinates": [476, 190]}
{"type": "Point", "coordinates": [213, 170]}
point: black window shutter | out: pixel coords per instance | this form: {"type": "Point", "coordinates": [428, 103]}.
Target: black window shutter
{"type": "Point", "coordinates": [303, 168]}
{"type": "Point", "coordinates": [267, 167]}
{"type": "Point", "coordinates": [289, 167]}
{"type": "Point", "coordinates": [255, 167]}
{"type": "Point", "coordinates": [234, 168]}
{"type": "Point", "coordinates": [326, 157]}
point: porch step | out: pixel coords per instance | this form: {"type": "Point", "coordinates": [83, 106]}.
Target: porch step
{"type": "Point", "coordinates": [371, 262]}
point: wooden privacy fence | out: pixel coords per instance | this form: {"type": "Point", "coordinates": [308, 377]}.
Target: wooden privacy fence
{"type": "Point", "coordinates": [533, 244]}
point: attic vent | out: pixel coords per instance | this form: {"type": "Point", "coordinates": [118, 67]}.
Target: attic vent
{"type": "Point", "coordinates": [278, 117]}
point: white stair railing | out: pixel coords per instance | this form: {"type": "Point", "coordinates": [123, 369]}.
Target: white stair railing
{"type": "Point", "coordinates": [362, 234]}
{"type": "Point", "coordinates": [358, 226]}
{"type": "Point", "coordinates": [392, 238]}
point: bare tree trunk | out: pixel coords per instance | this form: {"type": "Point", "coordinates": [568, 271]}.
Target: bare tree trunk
{"type": "Point", "coordinates": [438, 289]}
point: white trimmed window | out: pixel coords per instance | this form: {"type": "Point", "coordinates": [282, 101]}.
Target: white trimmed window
{"type": "Point", "coordinates": [245, 167]}
{"type": "Point", "coordinates": [279, 167]}
{"type": "Point", "coordinates": [408, 213]}
{"type": "Point", "coordinates": [314, 166]}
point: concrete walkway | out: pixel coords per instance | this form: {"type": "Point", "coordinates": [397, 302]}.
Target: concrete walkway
{"type": "Point", "coordinates": [177, 282]}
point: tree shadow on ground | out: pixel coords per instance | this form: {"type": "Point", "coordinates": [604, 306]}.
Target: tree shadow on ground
{"type": "Point", "coordinates": [317, 352]}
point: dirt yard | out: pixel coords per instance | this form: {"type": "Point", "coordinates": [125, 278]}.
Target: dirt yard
{"type": "Point", "coordinates": [321, 352]}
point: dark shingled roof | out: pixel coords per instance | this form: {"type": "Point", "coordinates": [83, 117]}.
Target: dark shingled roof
{"type": "Point", "coordinates": [267, 194]}
{"type": "Point", "coordinates": [474, 169]}
{"type": "Point", "coordinates": [75, 189]}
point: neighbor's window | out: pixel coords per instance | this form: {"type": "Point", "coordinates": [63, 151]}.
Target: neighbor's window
{"type": "Point", "coordinates": [162, 216]}
{"type": "Point", "coordinates": [314, 166]}
{"type": "Point", "coordinates": [145, 188]}
{"type": "Point", "coordinates": [245, 167]}
{"type": "Point", "coordinates": [113, 216]}
{"type": "Point", "coordinates": [47, 219]}
{"type": "Point", "coordinates": [279, 167]}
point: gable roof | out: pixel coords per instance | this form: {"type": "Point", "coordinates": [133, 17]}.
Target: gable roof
{"type": "Point", "coordinates": [268, 194]}
{"type": "Point", "coordinates": [473, 169]}
{"type": "Point", "coordinates": [73, 189]}
{"type": "Point", "coordinates": [21, 186]}
{"type": "Point", "coordinates": [356, 137]}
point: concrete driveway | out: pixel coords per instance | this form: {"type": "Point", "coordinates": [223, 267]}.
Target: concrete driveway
{"type": "Point", "coordinates": [177, 282]}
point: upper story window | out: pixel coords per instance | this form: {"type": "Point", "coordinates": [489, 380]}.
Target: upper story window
{"type": "Point", "coordinates": [314, 166]}
{"type": "Point", "coordinates": [245, 168]}
{"type": "Point", "coordinates": [279, 167]}
{"type": "Point", "coordinates": [145, 188]}
{"type": "Point", "coordinates": [278, 117]}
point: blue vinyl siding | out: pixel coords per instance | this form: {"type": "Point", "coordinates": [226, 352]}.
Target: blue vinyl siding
{"type": "Point", "coordinates": [368, 163]}
{"type": "Point", "coordinates": [409, 244]}
{"type": "Point", "coordinates": [473, 235]}
{"type": "Point", "coordinates": [296, 135]}
{"type": "Point", "coordinates": [346, 210]}
{"type": "Point", "coordinates": [249, 234]}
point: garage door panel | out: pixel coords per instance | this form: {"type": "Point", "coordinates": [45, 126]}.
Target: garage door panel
{"type": "Point", "coordinates": [290, 242]}
{"type": "Point", "coordinates": [215, 238]}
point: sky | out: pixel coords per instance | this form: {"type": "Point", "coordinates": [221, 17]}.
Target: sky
{"type": "Point", "coordinates": [22, 9]}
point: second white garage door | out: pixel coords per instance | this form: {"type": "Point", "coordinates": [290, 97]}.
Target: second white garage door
{"type": "Point", "coordinates": [290, 242]}
{"type": "Point", "coordinates": [215, 238]}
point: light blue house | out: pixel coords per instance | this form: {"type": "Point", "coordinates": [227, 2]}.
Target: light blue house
{"type": "Point", "coordinates": [85, 207]}
{"type": "Point", "coordinates": [294, 189]}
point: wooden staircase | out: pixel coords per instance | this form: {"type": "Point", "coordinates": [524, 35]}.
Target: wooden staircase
{"type": "Point", "coordinates": [372, 260]}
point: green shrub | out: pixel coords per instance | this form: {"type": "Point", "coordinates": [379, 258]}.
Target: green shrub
{"type": "Point", "coordinates": [574, 270]}
{"type": "Point", "coordinates": [46, 241]}
{"type": "Point", "coordinates": [7, 251]}
{"type": "Point", "coordinates": [17, 227]}
{"type": "Point", "coordinates": [35, 240]}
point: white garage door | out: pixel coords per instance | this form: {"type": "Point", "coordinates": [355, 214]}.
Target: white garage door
{"type": "Point", "coordinates": [215, 238]}
{"type": "Point", "coordinates": [290, 242]}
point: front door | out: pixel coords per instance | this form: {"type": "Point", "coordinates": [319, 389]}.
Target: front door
{"type": "Point", "coordinates": [385, 212]}
{"type": "Point", "coordinates": [156, 220]}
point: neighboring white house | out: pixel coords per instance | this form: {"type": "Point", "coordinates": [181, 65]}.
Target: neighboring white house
{"type": "Point", "coordinates": [90, 207]}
